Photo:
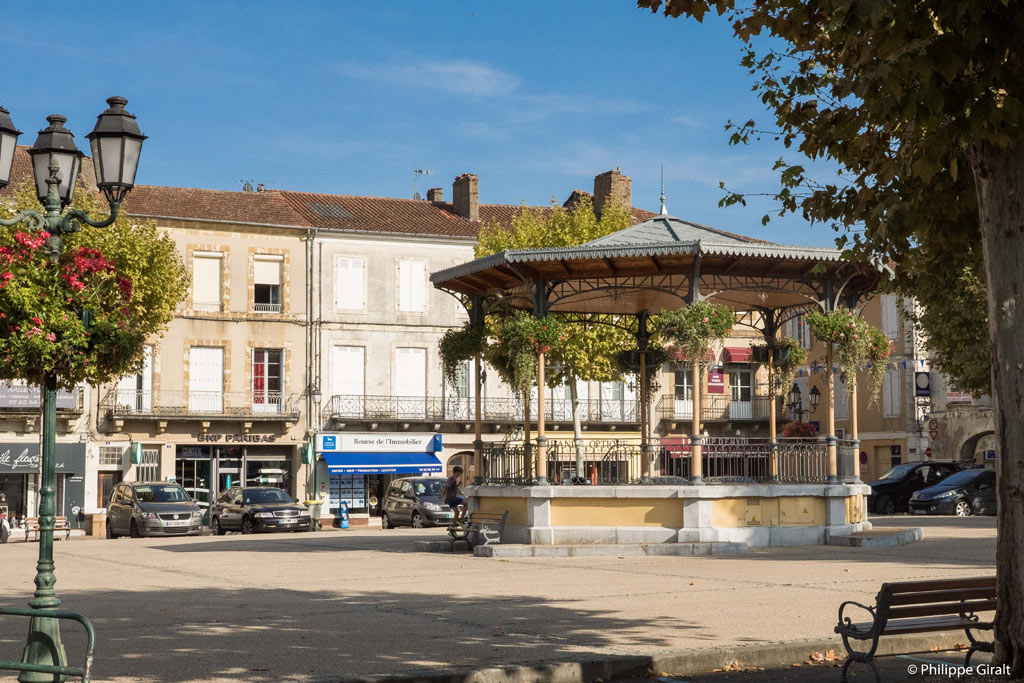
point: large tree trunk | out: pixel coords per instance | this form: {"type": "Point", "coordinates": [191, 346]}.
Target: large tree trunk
{"type": "Point", "coordinates": [999, 176]}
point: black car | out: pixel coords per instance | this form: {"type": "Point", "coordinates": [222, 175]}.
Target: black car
{"type": "Point", "coordinates": [969, 492]}
{"type": "Point", "coordinates": [415, 501]}
{"type": "Point", "coordinates": [891, 493]}
{"type": "Point", "coordinates": [257, 508]}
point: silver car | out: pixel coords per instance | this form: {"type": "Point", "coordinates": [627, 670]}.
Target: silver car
{"type": "Point", "coordinates": [156, 508]}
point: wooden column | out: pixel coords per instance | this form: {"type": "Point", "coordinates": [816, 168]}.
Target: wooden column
{"type": "Point", "coordinates": [645, 460]}
{"type": "Point", "coordinates": [695, 447]}
{"type": "Point", "coordinates": [542, 442]}
{"type": "Point", "coordinates": [854, 434]}
{"type": "Point", "coordinates": [528, 454]}
{"type": "Point", "coordinates": [478, 438]}
{"type": "Point", "coordinates": [830, 438]}
{"type": "Point", "coordinates": [773, 461]}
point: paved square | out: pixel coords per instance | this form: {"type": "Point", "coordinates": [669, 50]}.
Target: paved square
{"type": "Point", "coordinates": [306, 607]}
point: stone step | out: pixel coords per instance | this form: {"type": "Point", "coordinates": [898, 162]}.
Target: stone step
{"type": "Point", "coordinates": [878, 538]}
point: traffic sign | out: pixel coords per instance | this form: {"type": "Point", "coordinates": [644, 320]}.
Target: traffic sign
{"type": "Point", "coordinates": [933, 433]}
{"type": "Point", "coordinates": [933, 424]}
{"type": "Point", "coordinates": [928, 452]}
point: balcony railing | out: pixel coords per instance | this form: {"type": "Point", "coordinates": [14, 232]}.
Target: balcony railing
{"type": "Point", "coordinates": [493, 410]}
{"type": "Point", "coordinates": [719, 408]}
{"type": "Point", "coordinates": [249, 404]}
{"type": "Point", "coordinates": [266, 308]}
{"type": "Point", "coordinates": [724, 460]}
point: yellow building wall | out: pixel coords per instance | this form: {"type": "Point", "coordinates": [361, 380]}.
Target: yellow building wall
{"type": "Point", "coordinates": [788, 511]}
{"type": "Point", "coordinates": [612, 512]}
{"type": "Point", "coordinates": [516, 508]}
{"type": "Point", "coordinates": [855, 509]}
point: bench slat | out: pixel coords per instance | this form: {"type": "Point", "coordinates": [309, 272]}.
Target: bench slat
{"type": "Point", "coordinates": [930, 625]}
{"type": "Point", "coordinates": [936, 609]}
{"type": "Point", "coordinates": [938, 584]}
{"type": "Point", "coordinates": [950, 595]}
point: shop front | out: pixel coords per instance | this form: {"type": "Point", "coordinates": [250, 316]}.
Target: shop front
{"type": "Point", "coordinates": [219, 461]}
{"type": "Point", "coordinates": [19, 476]}
{"type": "Point", "coordinates": [360, 466]}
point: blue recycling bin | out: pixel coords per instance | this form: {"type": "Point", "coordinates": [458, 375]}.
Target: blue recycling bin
{"type": "Point", "coordinates": [343, 514]}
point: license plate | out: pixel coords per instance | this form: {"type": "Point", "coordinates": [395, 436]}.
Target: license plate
{"type": "Point", "coordinates": [446, 515]}
{"type": "Point", "coordinates": [182, 523]}
{"type": "Point", "coordinates": [289, 521]}
{"type": "Point", "coordinates": [920, 512]}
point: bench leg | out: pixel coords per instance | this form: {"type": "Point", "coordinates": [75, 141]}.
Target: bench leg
{"type": "Point", "coordinates": [976, 646]}
{"type": "Point", "coordinates": [869, 662]}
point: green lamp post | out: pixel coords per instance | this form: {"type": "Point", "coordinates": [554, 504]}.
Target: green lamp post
{"type": "Point", "coordinates": [116, 144]}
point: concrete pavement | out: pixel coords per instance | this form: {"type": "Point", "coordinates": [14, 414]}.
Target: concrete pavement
{"type": "Point", "coordinates": [323, 606]}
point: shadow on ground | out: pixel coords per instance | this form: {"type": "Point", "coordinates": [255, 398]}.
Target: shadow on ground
{"type": "Point", "coordinates": [398, 542]}
{"type": "Point", "coordinates": [174, 636]}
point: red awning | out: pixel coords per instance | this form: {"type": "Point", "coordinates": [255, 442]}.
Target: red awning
{"type": "Point", "coordinates": [679, 355]}
{"type": "Point", "coordinates": [737, 354]}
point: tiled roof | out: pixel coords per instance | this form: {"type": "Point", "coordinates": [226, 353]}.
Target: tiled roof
{"type": "Point", "coordinates": [21, 172]}
{"type": "Point", "coordinates": [266, 208]}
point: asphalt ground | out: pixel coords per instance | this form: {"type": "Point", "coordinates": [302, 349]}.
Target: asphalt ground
{"type": "Point", "coordinates": [314, 607]}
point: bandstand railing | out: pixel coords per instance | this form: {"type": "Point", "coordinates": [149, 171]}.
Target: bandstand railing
{"type": "Point", "coordinates": [724, 459]}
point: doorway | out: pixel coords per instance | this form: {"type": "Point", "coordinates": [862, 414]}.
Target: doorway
{"type": "Point", "coordinates": [105, 483]}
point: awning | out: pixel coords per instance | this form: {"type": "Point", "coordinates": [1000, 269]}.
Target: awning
{"type": "Point", "coordinates": [737, 354]}
{"type": "Point", "coordinates": [679, 355]}
{"type": "Point", "coordinates": [382, 463]}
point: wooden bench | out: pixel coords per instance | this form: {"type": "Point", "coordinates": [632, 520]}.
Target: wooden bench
{"type": "Point", "coordinates": [921, 607]}
{"type": "Point", "coordinates": [61, 524]}
{"type": "Point", "coordinates": [485, 527]}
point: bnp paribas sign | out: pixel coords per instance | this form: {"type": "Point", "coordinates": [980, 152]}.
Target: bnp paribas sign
{"type": "Point", "coordinates": [370, 442]}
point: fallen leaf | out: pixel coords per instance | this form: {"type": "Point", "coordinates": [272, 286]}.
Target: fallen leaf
{"type": "Point", "coordinates": [692, 583]}
{"type": "Point", "coordinates": [846, 570]}
{"type": "Point", "coordinates": [797, 664]}
{"type": "Point", "coordinates": [497, 632]}
{"type": "Point", "coordinates": [959, 646]}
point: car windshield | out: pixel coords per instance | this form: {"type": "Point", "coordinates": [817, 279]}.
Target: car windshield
{"type": "Point", "coordinates": [961, 478]}
{"type": "Point", "coordinates": [161, 494]}
{"type": "Point", "coordinates": [430, 487]}
{"type": "Point", "coordinates": [897, 473]}
{"type": "Point", "coordinates": [266, 496]}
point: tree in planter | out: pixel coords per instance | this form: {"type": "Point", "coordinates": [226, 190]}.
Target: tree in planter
{"type": "Point", "coordinates": [87, 317]}
{"type": "Point", "coordinates": [921, 105]}
{"type": "Point", "coordinates": [592, 342]}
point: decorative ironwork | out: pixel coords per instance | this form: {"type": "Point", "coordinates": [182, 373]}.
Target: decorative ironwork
{"type": "Point", "coordinates": [718, 408]}
{"type": "Point", "coordinates": [250, 404]}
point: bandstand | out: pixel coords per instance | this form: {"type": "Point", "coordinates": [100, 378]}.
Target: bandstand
{"type": "Point", "coordinates": [761, 492]}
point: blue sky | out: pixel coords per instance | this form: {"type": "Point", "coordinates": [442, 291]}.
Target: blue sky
{"type": "Point", "coordinates": [349, 97]}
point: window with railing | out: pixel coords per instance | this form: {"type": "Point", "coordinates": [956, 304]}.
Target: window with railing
{"type": "Point", "coordinates": [267, 284]}
{"type": "Point", "coordinates": [207, 276]}
{"type": "Point", "coordinates": [267, 380]}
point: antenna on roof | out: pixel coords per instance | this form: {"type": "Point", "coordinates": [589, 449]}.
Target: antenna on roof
{"type": "Point", "coordinates": [246, 185]}
{"type": "Point", "coordinates": [416, 179]}
{"type": "Point", "coordinates": [664, 211]}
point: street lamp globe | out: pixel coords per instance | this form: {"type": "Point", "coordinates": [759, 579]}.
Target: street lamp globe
{"type": "Point", "coordinates": [815, 397]}
{"type": "Point", "coordinates": [57, 141]}
{"type": "Point", "coordinates": [116, 144]}
{"type": "Point", "coordinates": [8, 139]}
{"type": "Point", "coordinates": [793, 398]}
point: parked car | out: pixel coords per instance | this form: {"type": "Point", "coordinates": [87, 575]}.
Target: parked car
{"type": "Point", "coordinates": [891, 493]}
{"type": "Point", "coordinates": [152, 508]}
{"type": "Point", "coordinates": [415, 501]}
{"type": "Point", "coordinates": [968, 492]}
{"type": "Point", "coordinates": [257, 508]}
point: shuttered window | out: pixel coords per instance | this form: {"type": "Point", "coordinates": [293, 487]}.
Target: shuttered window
{"type": "Point", "coordinates": [890, 316]}
{"type": "Point", "coordinates": [348, 277]}
{"type": "Point", "coordinates": [267, 270]}
{"type": "Point", "coordinates": [206, 281]}
{"type": "Point", "coordinates": [891, 393]}
{"type": "Point", "coordinates": [267, 284]}
{"type": "Point", "coordinates": [412, 286]}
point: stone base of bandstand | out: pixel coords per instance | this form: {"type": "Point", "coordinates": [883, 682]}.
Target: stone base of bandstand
{"type": "Point", "coordinates": [756, 514]}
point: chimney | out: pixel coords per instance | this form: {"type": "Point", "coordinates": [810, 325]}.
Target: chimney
{"type": "Point", "coordinates": [435, 194]}
{"type": "Point", "coordinates": [466, 196]}
{"type": "Point", "coordinates": [612, 186]}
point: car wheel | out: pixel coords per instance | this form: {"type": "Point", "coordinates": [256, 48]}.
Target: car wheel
{"type": "Point", "coordinates": [962, 509]}
{"type": "Point", "coordinates": [247, 526]}
{"type": "Point", "coordinates": [133, 530]}
{"type": "Point", "coordinates": [417, 521]}
{"type": "Point", "coordinates": [385, 522]}
{"type": "Point", "coordinates": [886, 506]}
{"type": "Point", "coordinates": [110, 531]}
{"type": "Point", "coordinates": [215, 528]}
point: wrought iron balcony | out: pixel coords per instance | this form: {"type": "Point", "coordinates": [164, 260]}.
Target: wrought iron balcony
{"type": "Point", "coordinates": [205, 405]}
{"type": "Point", "coordinates": [349, 408]}
{"type": "Point", "coordinates": [719, 408]}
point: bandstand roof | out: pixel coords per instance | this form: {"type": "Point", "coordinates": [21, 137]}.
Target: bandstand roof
{"type": "Point", "coordinates": [654, 265]}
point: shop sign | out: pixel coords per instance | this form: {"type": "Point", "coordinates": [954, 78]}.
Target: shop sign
{"type": "Point", "coordinates": [958, 397]}
{"type": "Point", "coordinates": [716, 382]}
{"type": "Point", "coordinates": [351, 442]}
{"type": "Point", "coordinates": [236, 438]}
{"type": "Point", "coordinates": [28, 396]}
{"type": "Point", "coordinates": [23, 458]}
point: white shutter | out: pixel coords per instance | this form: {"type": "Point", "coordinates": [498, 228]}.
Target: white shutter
{"type": "Point", "coordinates": [890, 318]}
{"type": "Point", "coordinates": [206, 378]}
{"type": "Point", "coordinates": [206, 280]}
{"type": "Point", "coordinates": [410, 372]}
{"type": "Point", "coordinates": [349, 365]}
{"type": "Point", "coordinates": [842, 399]}
{"type": "Point", "coordinates": [891, 393]}
{"type": "Point", "coordinates": [412, 286]}
{"type": "Point", "coordinates": [348, 278]}
{"type": "Point", "coordinates": [267, 270]}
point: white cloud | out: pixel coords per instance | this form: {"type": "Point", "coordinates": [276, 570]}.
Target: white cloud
{"type": "Point", "coordinates": [460, 77]}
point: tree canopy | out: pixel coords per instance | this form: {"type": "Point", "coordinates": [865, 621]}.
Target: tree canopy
{"type": "Point", "coordinates": [86, 317]}
{"type": "Point", "coordinates": [921, 106]}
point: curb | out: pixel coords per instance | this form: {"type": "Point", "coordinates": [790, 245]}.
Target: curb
{"type": "Point", "coordinates": [611, 667]}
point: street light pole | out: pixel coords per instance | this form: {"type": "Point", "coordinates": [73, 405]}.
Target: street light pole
{"type": "Point", "coordinates": [116, 144]}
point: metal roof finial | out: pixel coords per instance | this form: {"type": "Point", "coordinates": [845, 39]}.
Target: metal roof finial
{"type": "Point", "coordinates": [664, 210]}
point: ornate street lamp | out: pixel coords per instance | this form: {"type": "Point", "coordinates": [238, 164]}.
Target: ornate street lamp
{"type": "Point", "coordinates": [56, 162]}
{"type": "Point", "coordinates": [793, 398]}
{"type": "Point", "coordinates": [815, 397]}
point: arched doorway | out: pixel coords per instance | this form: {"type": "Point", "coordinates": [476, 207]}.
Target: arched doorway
{"type": "Point", "coordinates": [969, 447]}
{"type": "Point", "coordinates": [465, 460]}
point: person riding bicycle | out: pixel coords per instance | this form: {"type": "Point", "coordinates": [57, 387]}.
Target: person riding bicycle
{"type": "Point", "coordinates": [452, 498]}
